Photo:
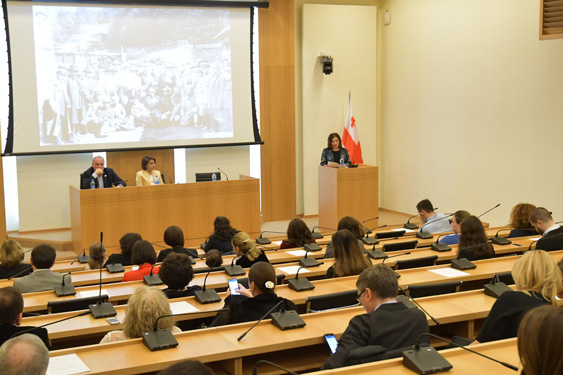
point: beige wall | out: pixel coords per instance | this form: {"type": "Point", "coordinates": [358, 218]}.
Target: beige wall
{"type": "Point", "coordinates": [348, 34]}
{"type": "Point", "coordinates": [471, 106]}
{"type": "Point", "coordinates": [233, 160]}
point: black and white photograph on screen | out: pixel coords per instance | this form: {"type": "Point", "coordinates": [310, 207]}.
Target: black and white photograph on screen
{"type": "Point", "coordinates": [125, 75]}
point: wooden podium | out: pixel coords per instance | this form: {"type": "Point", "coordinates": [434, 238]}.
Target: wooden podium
{"type": "Point", "coordinates": [149, 210]}
{"type": "Point", "coordinates": [348, 192]}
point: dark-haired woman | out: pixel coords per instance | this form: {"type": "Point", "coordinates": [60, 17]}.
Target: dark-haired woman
{"type": "Point", "coordinates": [126, 244]}
{"type": "Point", "coordinates": [473, 240]}
{"type": "Point", "coordinates": [148, 175]}
{"type": "Point", "coordinates": [222, 236]}
{"type": "Point", "coordinates": [176, 272]}
{"type": "Point", "coordinates": [298, 234]}
{"type": "Point", "coordinates": [334, 153]}
{"type": "Point", "coordinates": [348, 256]}
{"type": "Point", "coordinates": [144, 256]}
{"type": "Point", "coordinates": [453, 239]}
{"type": "Point", "coordinates": [354, 226]}
{"type": "Point", "coordinates": [174, 237]}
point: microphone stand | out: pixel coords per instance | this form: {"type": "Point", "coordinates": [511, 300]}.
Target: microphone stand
{"type": "Point", "coordinates": [300, 284]}
{"type": "Point", "coordinates": [102, 309]}
{"type": "Point", "coordinates": [418, 304]}
{"type": "Point", "coordinates": [205, 296]}
{"type": "Point", "coordinates": [489, 210]}
{"type": "Point", "coordinates": [440, 247]}
{"type": "Point", "coordinates": [234, 270]}
{"type": "Point", "coordinates": [255, 368]}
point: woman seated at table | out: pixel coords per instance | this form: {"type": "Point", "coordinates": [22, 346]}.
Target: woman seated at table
{"type": "Point", "coordinates": [126, 243]}
{"type": "Point", "coordinates": [298, 234]}
{"type": "Point", "coordinates": [334, 152]}
{"type": "Point", "coordinates": [538, 280]}
{"type": "Point", "coordinates": [221, 237]}
{"type": "Point", "coordinates": [148, 175]}
{"type": "Point", "coordinates": [256, 301]}
{"type": "Point", "coordinates": [541, 328]}
{"type": "Point", "coordinates": [348, 256]}
{"type": "Point", "coordinates": [144, 256]}
{"type": "Point", "coordinates": [246, 250]}
{"type": "Point", "coordinates": [520, 221]}
{"type": "Point", "coordinates": [97, 254]}
{"type": "Point", "coordinates": [354, 226]}
{"type": "Point", "coordinates": [473, 240]}
{"type": "Point", "coordinates": [214, 258]}
{"type": "Point", "coordinates": [11, 260]}
{"type": "Point", "coordinates": [143, 308]}
{"type": "Point", "coordinates": [457, 218]}
{"type": "Point", "coordinates": [174, 237]}
{"type": "Point", "coordinates": [176, 272]}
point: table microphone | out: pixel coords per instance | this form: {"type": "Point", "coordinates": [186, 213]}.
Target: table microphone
{"type": "Point", "coordinates": [495, 288]}
{"type": "Point", "coordinates": [222, 171]}
{"type": "Point", "coordinates": [64, 289]}
{"type": "Point", "coordinates": [263, 240]}
{"type": "Point", "coordinates": [317, 235]}
{"type": "Point", "coordinates": [464, 263]}
{"type": "Point", "coordinates": [164, 175]}
{"type": "Point", "coordinates": [409, 225]}
{"type": "Point", "coordinates": [418, 304]}
{"type": "Point", "coordinates": [426, 235]}
{"type": "Point", "coordinates": [205, 296]}
{"type": "Point", "coordinates": [373, 240]}
{"type": "Point", "coordinates": [300, 284]}
{"type": "Point", "coordinates": [102, 309]}
{"type": "Point", "coordinates": [152, 280]}
{"type": "Point", "coordinates": [501, 240]}
{"type": "Point", "coordinates": [22, 272]}
{"type": "Point", "coordinates": [440, 247]}
{"type": "Point", "coordinates": [308, 262]}
{"type": "Point", "coordinates": [115, 268]}
{"type": "Point", "coordinates": [393, 256]}
{"type": "Point", "coordinates": [279, 319]}
{"type": "Point", "coordinates": [234, 269]}
{"type": "Point", "coordinates": [81, 258]}
{"type": "Point", "coordinates": [365, 221]}
{"type": "Point", "coordinates": [255, 368]}
{"type": "Point", "coordinates": [48, 324]}
{"type": "Point", "coordinates": [489, 210]}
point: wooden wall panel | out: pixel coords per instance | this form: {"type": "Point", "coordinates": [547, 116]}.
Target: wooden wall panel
{"type": "Point", "coordinates": [127, 163]}
{"type": "Point", "coordinates": [277, 110]}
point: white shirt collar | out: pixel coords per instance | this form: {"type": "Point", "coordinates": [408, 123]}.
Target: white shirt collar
{"type": "Point", "coordinates": [553, 227]}
{"type": "Point", "coordinates": [385, 303]}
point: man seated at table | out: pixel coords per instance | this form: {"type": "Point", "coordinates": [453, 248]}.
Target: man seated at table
{"type": "Point", "coordinates": [24, 355]}
{"type": "Point", "coordinates": [11, 313]}
{"type": "Point", "coordinates": [388, 324]}
{"type": "Point", "coordinates": [102, 177]}
{"type": "Point", "coordinates": [552, 234]}
{"type": "Point", "coordinates": [431, 221]}
{"type": "Point", "coordinates": [42, 259]}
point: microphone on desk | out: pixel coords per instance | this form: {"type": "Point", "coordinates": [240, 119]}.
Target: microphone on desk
{"type": "Point", "coordinates": [234, 269]}
{"type": "Point", "coordinates": [371, 241]}
{"type": "Point", "coordinates": [64, 289]}
{"type": "Point", "coordinates": [81, 258]}
{"type": "Point", "coordinates": [205, 296]}
{"type": "Point", "coordinates": [317, 235]}
{"type": "Point", "coordinates": [408, 298]}
{"type": "Point", "coordinates": [222, 171]}
{"type": "Point", "coordinates": [152, 280]}
{"type": "Point", "coordinates": [426, 235]}
{"type": "Point", "coordinates": [379, 254]}
{"type": "Point", "coordinates": [22, 272]}
{"type": "Point", "coordinates": [115, 268]}
{"type": "Point", "coordinates": [300, 284]}
{"type": "Point", "coordinates": [409, 225]}
{"type": "Point", "coordinates": [255, 368]}
{"type": "Point", "coordinates": [283, 319]}
{"type": "Point", "coordinates": [464, 263]}
{"type": "Point", "coordinates": [426, 360]}
{"type": "Point", "coordinates": [308, 262]}
{"type": "Point", "coordinates": [440, 247]}
{"type": "Point", "coordinates": [501, 240]}
{"type": "Point", "coordinates": [367, 230]}
{"type": "Point", "coordinates": [495, 288]}
{"type": "Point", "coordinates": [489, 210]}
{"type": "Point", "coordinates": [48, 324]}
{"type": "Point", "coordinates": [393, 256]}
{"type": "Point", "coordinates": [263, 240]}
{"type": "Point", "coordinates": [102, 309]}
{"type": "Point", "coordinates": [164, 175]}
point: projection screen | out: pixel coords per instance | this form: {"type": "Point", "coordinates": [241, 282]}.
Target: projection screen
{"type": "Point", "coordinates": [111, 77]}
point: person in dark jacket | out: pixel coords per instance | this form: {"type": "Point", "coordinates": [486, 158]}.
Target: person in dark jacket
{"type": "Point", "coordinates": [221, 237]}
{"type": "Point", "coordinates": [174, 237]}
{"type": "Point", "coordinates": [126, 243]}
{"type": "Point", "coordinates": [247, 251]}
{"type": "Point", "coordinates": [176, 272]}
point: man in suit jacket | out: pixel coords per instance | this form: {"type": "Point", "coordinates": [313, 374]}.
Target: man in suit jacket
{"type": "Point", "coordinates": [552, 234]}
{"type": "Point", "coordinates": [103, 177]}
{"type": "Point", "coordinates": [388, 323]}
{"type": "Point", "coordinates": [11, 312]}
{"type": "Point", "coordinates": [42, 278]}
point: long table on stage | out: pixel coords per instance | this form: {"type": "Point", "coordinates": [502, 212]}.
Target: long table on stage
{"type": "Point", "coordinates": [149, 210]}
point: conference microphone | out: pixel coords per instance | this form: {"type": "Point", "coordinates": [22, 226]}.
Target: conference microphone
{"type": "Point", "coordinates": [81, 258]}
{"type": "Point", "coordinates": [152, 280]}
{"type": "Point", "coordinates": [259, 320]}
{"type": "Point", "coordinates": [234, 269]}
{"type": "Point", "coordinates": [420, 307]}
{"type": "Point", "coordinates": [22, 272]}
{"type": "Point", "coordinates": [222, 171]}
{"type": "Point", "coordinates": [48, 324]}
{"type": "Point", "coordinates": [501, 240]}
{"type": "Point", "coordinates": [64, 289]}
{"type": "Point", "coordinates": [317, 235]}
{"type": "Point", "coordinates": [308, 262]}
{"type": "Point", "coordinates": [409, 225]}
{"type": "Point", "coordinates": [440, 247]}
{"type": "Point", "coordinates": [279, 319]}
{"type": "Point", "coordinates": [164, 175]}
{"type": "Point", "coordinates": [371, 241]}
{"type": "Point", "coordinates": [365, 221]}
{"type": "Point", "coordinates": [495, 288]}
{"type": "Point", "coordinates": [263, 240]}
{"type": "Point", "coordinates": [393, 256]}
{"type": "Point", "coordinates": [426, 360]}
{"type": "Point", "coordinates": [352, 164]}
{"type": "Point", "coordinates": [102, 309]}
{"type": "Point", "coordinates": [115, 268]}
{"type": "Point", "coordinates": [489, 210]}
{"type": "Point", "coordinates": [255, 368]}
{"type": "Point", "coordinates": [426, 235]}
{"type": "Point", "coordinates": [300, 284]}
{"type": "Point", "coordinates": [205, 296]}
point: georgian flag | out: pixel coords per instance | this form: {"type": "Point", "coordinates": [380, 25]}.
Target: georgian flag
{"type": "Point", "coordinates": [351, 138]}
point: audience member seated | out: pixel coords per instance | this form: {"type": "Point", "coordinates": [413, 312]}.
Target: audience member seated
{"type": "Point", "coordinates": [174, 237]}
{"type": "Point", "coordinates": [176, 272]}
{"type": "Point", "coordinates": [11, 313]}
{"type": "Point", "coordinates": [256, 301]}
{"type": "Point", "coordinates": [24, 355]}
{"type": "Point", "coordinates": [348, 257]}
{"type": "Point", "coordinates": [520, 221]}
{"type": "Point", "coordinates": [431, 222]}
{"type": "Point", "coordinates": [126, 243]}
{"type": "Point", "coordinates": [539, 341]}
{"type": "Point", "coordinates": [222, 236]}
{"type": "Point", "coordinates": [387, 323]}
{"type": "Point", "coordinates": [11, 258]}
{"type": "Point", "coordinates": [148, 175]}
{"type": "Point", "coordinates": [145, 305]}
{"type": "Point", "coordinates": [42, 278]}
{"type": "Point", "coordinates": [453, 239]}
{"type": "Point", "coordinates": [473, 235]}
{"type": "Point", "coordinates": [538, 280]}
{"type": "Point", "coordinates": [354, 226]}
{"type": "Point", "coordinates": [552, 234]}
{"type": "Point", "coordinates": [97, 256]}
{"type": "Point", "coordinates": [145, 257]}
{"type": "Point", "coordinates": [214, 258]}
{"type": "Point", "coordinates": [298, 234]}
{"type": "Point", "coordinates": [246, 250]}
{"type": "Point", "coordinates": [187, 367]}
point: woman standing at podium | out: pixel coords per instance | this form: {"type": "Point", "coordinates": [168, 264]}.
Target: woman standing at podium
{"type": "Point", "coordinates": [334, 154]}
{"type": "Point", "coordinates": [148, 175]}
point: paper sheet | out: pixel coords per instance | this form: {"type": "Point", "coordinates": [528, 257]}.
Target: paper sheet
{"type": "Point", "coordinates": [91, 293]}
{"type": "Point", "coordinates": [277, 242]}
{"type": "Point", "coordinates": [297, 253]}
{"type": "Point", "coordinates": [403, 229]}
{"type": "Point", "coordinates": [449, 272]}
{"type": "Point", "coordinates": [535, 239]}
{"type": "Point", "coordinates": [66, 365]}
{"type": "Point", "coordinates": [182, 307]}
{"type": "Point", "coordinates": [293, 270]}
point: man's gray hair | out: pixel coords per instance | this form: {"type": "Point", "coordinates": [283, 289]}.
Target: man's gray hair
{"type": "Point", "coordinates": [24, 355]}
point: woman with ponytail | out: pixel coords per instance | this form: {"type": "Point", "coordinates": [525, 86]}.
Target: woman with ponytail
{"type": "Point", "coordinates": [246, 251]}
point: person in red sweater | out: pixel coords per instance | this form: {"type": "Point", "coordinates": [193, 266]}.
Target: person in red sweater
{"type": "Point", "coordinates": [144, 256]}
{"type": "Point", "coordinates": [298, 234]}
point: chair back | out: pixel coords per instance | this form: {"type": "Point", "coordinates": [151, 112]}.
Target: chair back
{"type": "Point", "coordinates": [417, 291]}
{"type": "Point", "coordinates": [416, 263]}
{"type": "Point", "coordinates": [400, 246]}
{"type": "Point", "coordinates": [332, 301]}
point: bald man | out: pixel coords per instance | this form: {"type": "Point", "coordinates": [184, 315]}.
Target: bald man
{"type": "Point", "coordinates": [101, 176]}
{"type": "Point", "coordinates": [24, 355]}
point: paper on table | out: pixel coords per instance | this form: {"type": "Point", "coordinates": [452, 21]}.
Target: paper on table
{"type": "Point", "coordinates": [535, 239]}
{"type": "Point", "coordinates": [277, 242]}
{"type": "Point", "coordinates": [449, 272]}
{"type": "Point", "coordinates": [403, 229]}
{"type": "Point", "coordinates": [66, 365]}
{"type": "Point", "coordinates": [293, 269]}
{"type": "Point", "coordinates": [91, 293]}
{"type": "Point", "coordinates": [182, 307]}
{"type": "Point", "coordinates": [297, 253]}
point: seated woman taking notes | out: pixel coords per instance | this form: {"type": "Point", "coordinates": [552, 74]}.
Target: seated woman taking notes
{"type": "Point", "coordinates": [148, 175]}
{"type": "Point", "coordinates": [334, 152]}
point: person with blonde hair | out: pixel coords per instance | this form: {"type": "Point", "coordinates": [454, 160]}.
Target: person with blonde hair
{"type": "Point", "coordinates": [538, 280]}
{"type": "Point", "coordinates": [348, 257]}
{"type": "Point", "coordinates": [520, 221]}
{"type": "Point", "coordinates": [144, 307]}
{"type": "Point", "coordinates": [97, 256]}
{"type": "Point", "coordinates": [11, 260]}
{"type": "Point", "coordinates": [246, 251]}
{"type": "Point", "coordinates": [541, 328]}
